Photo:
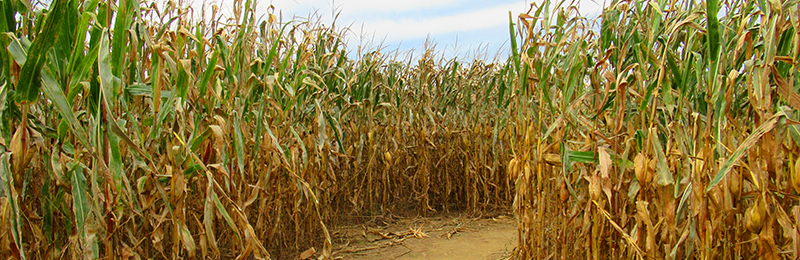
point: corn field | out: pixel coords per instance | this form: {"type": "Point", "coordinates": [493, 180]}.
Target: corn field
{"type": "Point", "coordinates": [663, 130]}
{"type": "Point", "coordinates": [141, 132]}
{"type": "Point", "coordinates": [133, 130]}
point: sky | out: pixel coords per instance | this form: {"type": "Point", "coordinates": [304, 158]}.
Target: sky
{"type": "Point", "coordinates": [459, 28]}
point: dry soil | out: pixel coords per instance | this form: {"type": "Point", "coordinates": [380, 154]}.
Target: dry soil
{"type": "Point", "coordinates": [447, 237]}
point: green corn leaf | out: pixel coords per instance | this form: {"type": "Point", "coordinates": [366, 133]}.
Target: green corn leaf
{"type": "Point", "coordinates": [16, 49]}
{"type": "Point", "coordinates": [30, 77]}
{"type": "Point", "coordinates": [277, 146]}
{"type": "Point", "coordinates": [123, 22]}
{"type": "Point", "coordinates": [80, 40]}
{"type": "Point", "coordinates": [83, 68]}
{"type": "Point", "coordinates": [145, 90]}
{"type": "Point", "coordinates": [225, 215]}
{"type": "Point", "coordinates": [81, 203]}
{"type": "Point", "coordinates": [238, 143]}
{"type": "Point", "coordinates": [581, 157]}
{"type": "Point", "coordinates": [301, 144]}
{"type": "Point", "coordinates": [514, 49]}
{"type": "Point", "coordinates": [182, 83]}
{"type": "Point", "coordinates": [737, 154]}
{"type": "Point", "coordinates": [47, 207]}
{"type": "Point", "coordinates": [664, 176]}
{"type": "Point", "coordinates": [166, 110]}
{"type": "Point", "coordinates": [713, 29]}
{"type": "Point", "coordinates": [53, 92]}
{"type": "Point", "coordinates": [195, 143]}
{"type": "Point", "coordinates": [104, 71]}
{"type": "Point", "coordinates": [212, 63]}
{"type": "Point", "coordinates": [8, 191]}
{"type": "Point", "coordinates": [8, 21]}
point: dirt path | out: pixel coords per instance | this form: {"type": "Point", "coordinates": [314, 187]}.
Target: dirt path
{"type": "Point", "coordinates": [429, 238]}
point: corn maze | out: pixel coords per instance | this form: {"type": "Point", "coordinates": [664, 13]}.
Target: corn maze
{"type": "Point", "coordinates": [659, 130]}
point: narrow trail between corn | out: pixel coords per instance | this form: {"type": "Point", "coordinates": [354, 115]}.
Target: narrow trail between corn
{"type": "Point", "coordinates": [451, 237]}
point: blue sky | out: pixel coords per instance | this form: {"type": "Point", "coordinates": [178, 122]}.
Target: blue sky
{"type": "Point", "coordinates": [457, 27]}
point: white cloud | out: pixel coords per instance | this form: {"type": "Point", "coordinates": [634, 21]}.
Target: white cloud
{"type": "Point", "coordinates": [411, 28]}
{"type": "Point", "coordinates": [472, 23]}
{"type": "Point", "coordinates": [592, 8]}
{"type": "Point", "coordinates": [361, 6]}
